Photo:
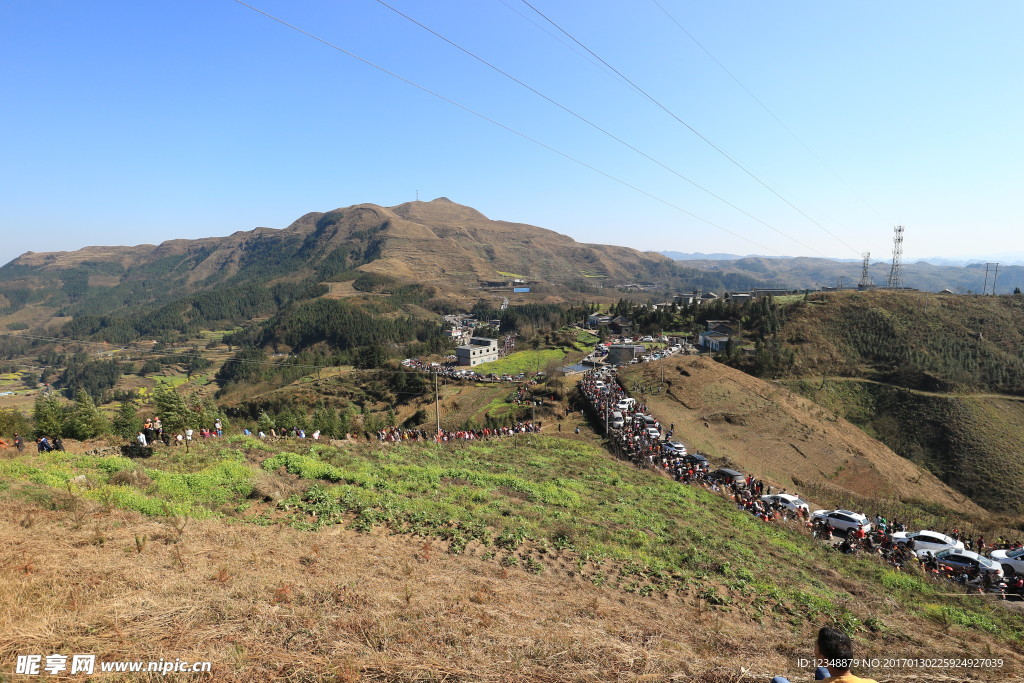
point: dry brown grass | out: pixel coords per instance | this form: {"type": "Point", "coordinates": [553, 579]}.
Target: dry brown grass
{"type": "Point", "coordinates": [279, 604]}
{"type": "Point", "coordinates": [765, 429]}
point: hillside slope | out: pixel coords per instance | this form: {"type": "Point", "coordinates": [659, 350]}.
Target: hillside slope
{"type": "Point", "coordinates": [974, 443]}
{"type": "Point", "coordinates": [926, 374]}
{"type": "Point", "coordinates": [528, 559]}
{"type": "Point", "coordinates": [775, 434]}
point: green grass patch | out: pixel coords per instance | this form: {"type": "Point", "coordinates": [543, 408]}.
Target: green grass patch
{"type": "Point", "coordinates": [522, 361]}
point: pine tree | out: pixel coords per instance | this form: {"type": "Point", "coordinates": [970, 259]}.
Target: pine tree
{"type": "Point", "coordinates": [126, 422]}
{"type": "Point", "coordinates": [50, 414]}
{"type": "Point", "coordinates": [264, 422]}
{"type": "Point", "coordinates": [171, 408]}
{"type": "Point", "coordinates": [85, 421]}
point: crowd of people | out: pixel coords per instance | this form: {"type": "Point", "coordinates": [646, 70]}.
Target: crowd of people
{"type": "Point", "coordinates": [603, 396]}
{"type": "Point", "coordinates": [153, 432]}
{"type": "Point", "coordinates": [398, 434]}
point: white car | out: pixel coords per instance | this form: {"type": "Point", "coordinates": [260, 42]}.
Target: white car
{"type": "Point", "coordinates": [843, 520]}
{"type": "Point", "coordinates": [788, 501]}
{"type": "Point", "coordinates": [1012, 561]}
{"type": "Point", "coordinates": [653, 433]}
{"type": "Point", "coordinates": [928, 541]}
{"type": "Point", "coordinates": [674, 447]}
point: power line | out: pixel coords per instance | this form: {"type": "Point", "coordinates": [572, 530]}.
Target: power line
{"type": "Point", "coordinates": [596, 127]}
{"type": "Point", "coordinates": [769, 111]}
{"type": "Point", "coordinates": [503, 126]}
{"type": "Point", "coordinates": [689, 127]}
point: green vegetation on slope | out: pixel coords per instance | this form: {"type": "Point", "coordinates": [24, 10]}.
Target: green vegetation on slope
{"type": "Point", "coordinates": [973, 443]}
{"type": "Point", "coordinates": [539, 503]}
{"type": "Point", "coordinates": [920, 341]}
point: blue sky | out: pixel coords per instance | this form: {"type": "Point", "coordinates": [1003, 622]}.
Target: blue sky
{"type": "Point", "coordinates": [131, 123]}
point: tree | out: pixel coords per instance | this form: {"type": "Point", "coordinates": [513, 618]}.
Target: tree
{"type": "Point", "coordinates": [171, 408]}
{"type": "Point", "coordinates": [85, 421]}
{"type": "Point", "coordinates": [373, 356]}
{"type": "Point", "coordinates": [50, 415]}
{"type": "Point", "coordinates": [126, 422]}
{"type": "Point", "coordinates": [264, 422]}
{"type": "Point", "coordinates": [326, 420]}
{"type": "Point", "coordinates": [14, 421]}
{"type": "Point", "coordinates": [1016, 290]}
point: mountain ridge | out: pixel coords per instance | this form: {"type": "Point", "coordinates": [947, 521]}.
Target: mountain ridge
{"type": "Point", "coordinates": [438, 242]}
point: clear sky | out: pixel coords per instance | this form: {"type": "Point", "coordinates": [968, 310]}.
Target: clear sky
{"type": "Point", "coordinates": [138, 122]}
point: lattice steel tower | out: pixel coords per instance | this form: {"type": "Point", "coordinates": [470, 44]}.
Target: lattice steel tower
{"type": "Point", "coordinates": [865, 277]}
{"type": "Point", "coordinates": [896, 272]}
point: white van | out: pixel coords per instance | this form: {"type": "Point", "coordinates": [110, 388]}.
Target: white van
{"type": "Point", "coordinates": [616, 421]}
{"type": "Point", "coordinates": [626, 404]}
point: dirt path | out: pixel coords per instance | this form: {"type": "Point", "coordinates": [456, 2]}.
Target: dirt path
{"type": "Point", "coordinates": [919, 392]}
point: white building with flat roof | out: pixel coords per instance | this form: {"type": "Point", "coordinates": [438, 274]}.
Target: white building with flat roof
{"type": "Point", "coordinates": [478, 350]}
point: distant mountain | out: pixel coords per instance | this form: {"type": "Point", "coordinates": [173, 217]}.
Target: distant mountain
{"type": "Point", "coordinates": [699, 256]}
{"type": "Point", "coordinates": [813, 273]}
{"type": "Point", "coordinates": [437, 243]}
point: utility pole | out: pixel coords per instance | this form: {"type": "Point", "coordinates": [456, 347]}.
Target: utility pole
{"type": "Point", "coordinates": [437, 409]}
{"type": "Point", "coordinates": [984, 287]}
{"type": "Point", "coordinates": [994, 276]}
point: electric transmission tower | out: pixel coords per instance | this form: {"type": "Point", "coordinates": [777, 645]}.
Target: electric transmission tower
{"type": "Point", "coordinates": [995, 274]}
{"type": "Point", "coordinates": [865, 276]}
{"type": "Point", "coordinates": [896, 273]}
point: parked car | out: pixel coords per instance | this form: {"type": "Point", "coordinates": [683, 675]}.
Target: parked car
{"type": "Point", "coordinates": [788, 501]}
{"type": "Point", "coordinates": [695, 459]}
{"type": "Point", "coordinates": [728, 476]}
{"type": "Point", "coordinates": [653, 433]}
{"type": "Point", "coordinates": [616, 421]}
{"type": "Point", "coordinates": [1012, 561]}
{"type": "Point", "coordinates": [626, 404]}
{"type": "Point", "coordinates": [967, 560]}
{"type": "Point", "coordinates": [674, 448]}
{"type": "Point", "coordinates": [928, 541]}
{"type": "Point", "coordinates": [843, 520]}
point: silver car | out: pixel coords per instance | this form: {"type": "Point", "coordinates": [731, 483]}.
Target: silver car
{"type": "Point", "coordinates": [967, 560]}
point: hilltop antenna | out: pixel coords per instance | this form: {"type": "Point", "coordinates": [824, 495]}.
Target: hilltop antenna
{"type": "Point", "coordinates": [865, 276]}
{"type": "Point", "coordinates": [417, 195]}
{"type": "Point", "coordinates": [895, 273]}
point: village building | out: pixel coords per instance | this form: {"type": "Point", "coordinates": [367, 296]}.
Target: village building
{"type": "Point", "coordinates": [622, 325]}
{"type": "Point", "coordinates": [621, 354]}
{"type": "Point", "coordinates": [478, 350]}
{"type": "Point", "coordinates": [717, 336]}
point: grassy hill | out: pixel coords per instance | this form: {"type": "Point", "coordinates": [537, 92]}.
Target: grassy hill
{"type": "Point", "coordinates": [937, 378]}
{"type": "Point", "coordinates": [531, 558]}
